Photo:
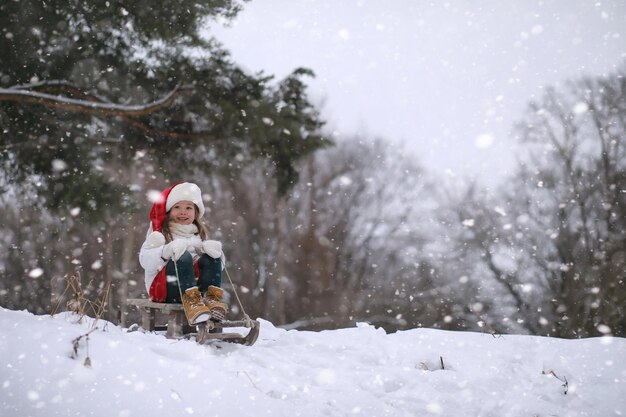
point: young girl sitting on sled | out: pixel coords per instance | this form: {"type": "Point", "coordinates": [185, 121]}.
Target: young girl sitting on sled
{"type": "Point", "coordinates": [181, 263]}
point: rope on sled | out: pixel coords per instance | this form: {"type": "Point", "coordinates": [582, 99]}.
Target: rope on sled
{"type": "Point", "coordinates": [246, 318]}
{"type": "Point", "coordinates": [180, 291]}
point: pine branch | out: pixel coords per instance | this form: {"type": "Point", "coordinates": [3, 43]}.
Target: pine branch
{"type": "Point", "coordinates": [86, 106]}
{"type": "Point", "coordinates": [47, 93]}
{"type": "Point", "coordinates": [167, 133]}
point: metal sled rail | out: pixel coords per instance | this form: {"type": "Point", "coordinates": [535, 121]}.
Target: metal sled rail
{"type": "Point", "coordinates": [212, 331]}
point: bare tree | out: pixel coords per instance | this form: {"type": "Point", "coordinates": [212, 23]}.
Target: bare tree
{"type": "Point", "coordinates": [558, 249]}
{"type": "Point", "coordinates": [360, 224]}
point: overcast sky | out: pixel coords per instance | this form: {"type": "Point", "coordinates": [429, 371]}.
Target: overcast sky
{"type": "Point", "coordinates": [449, 79]}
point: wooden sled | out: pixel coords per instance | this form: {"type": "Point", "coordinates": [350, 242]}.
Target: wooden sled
{"type": "Point", "coordinates": [177, 327]}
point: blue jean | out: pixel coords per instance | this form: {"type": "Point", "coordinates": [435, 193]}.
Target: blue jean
{"type": "Point", "coordinates": [210, 273]}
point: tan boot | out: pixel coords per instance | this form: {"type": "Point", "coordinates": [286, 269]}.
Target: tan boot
{"type": "Point", "coordinates": [195, 310]}
{"type": "Point", "coordinates": [213, 300]}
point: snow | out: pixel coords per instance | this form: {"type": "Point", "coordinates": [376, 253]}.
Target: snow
{"type": "Point", "coordinates": [354, 371]}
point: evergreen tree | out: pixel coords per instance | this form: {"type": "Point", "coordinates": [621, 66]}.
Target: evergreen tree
{"type": "Point", "coordinates": [121, 54]}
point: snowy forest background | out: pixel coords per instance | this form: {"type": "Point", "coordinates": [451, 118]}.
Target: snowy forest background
{"type": "Point", "coordinates": [101, 103]}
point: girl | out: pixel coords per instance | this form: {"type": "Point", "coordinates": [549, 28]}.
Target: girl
{"type": "Point", "coordinates": [181, 264]}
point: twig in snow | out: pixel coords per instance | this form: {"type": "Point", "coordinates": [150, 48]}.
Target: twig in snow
{"type": "Point", "coordinates": [483, 324]}
{"type": "Point", "coordinates": [424, 365]}
{"type": "Point", "coordinates": [563, 380]}
{"type": "Point", "coordinates": [251, 381]}
{"type": "Point", "coordinates": [76, 345]}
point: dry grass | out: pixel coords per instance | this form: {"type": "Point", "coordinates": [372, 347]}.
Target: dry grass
{"type": "Point", "coordinates": [80, 302]}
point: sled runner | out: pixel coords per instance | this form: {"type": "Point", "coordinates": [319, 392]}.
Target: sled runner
{"type": "Point", "coordinates": [177, 326]}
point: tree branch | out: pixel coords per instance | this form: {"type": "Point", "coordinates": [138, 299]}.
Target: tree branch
{"type": "Point", "coordinates": [167, 133]}
{"type": "Point", "coordinates": [46, 93]}
{"type": "Point", "coordinates": [22, 95]}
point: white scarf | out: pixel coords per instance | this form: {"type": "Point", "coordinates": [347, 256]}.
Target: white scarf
{"type": "Point", "coordinates": [184, 231]}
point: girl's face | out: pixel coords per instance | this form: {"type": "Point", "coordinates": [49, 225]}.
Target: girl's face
{"type": "Point", "coordinates": [183, 212]}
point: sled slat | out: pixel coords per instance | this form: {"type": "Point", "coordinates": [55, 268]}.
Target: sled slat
{"type": "Point", "coordinates": [164, 307]}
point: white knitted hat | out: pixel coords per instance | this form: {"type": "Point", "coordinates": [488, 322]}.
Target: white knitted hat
{"type": "Point", "coordinates": [185, 191]}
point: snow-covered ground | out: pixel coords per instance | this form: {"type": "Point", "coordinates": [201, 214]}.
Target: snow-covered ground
{"type": "Point", "coordinates": [361, 371]}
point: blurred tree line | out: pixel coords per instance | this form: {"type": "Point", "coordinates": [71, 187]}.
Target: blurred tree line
{"type": "Point", "coordinates": [317, 235]}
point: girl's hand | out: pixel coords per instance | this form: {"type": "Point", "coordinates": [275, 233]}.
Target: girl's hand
{"type": "Point", "coordinates": [155, 239]}
{"type": "Point", "coordinates": [213, 248]}
{"type": "Point", "coordinates": [174, 249]}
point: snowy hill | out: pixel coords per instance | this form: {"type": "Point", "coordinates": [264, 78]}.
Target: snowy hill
{"type": "Point", "coordinates": [360, 371]}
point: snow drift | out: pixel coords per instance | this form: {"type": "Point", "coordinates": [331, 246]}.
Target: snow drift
{"type": "Point", "coordinates": [54, 366]}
